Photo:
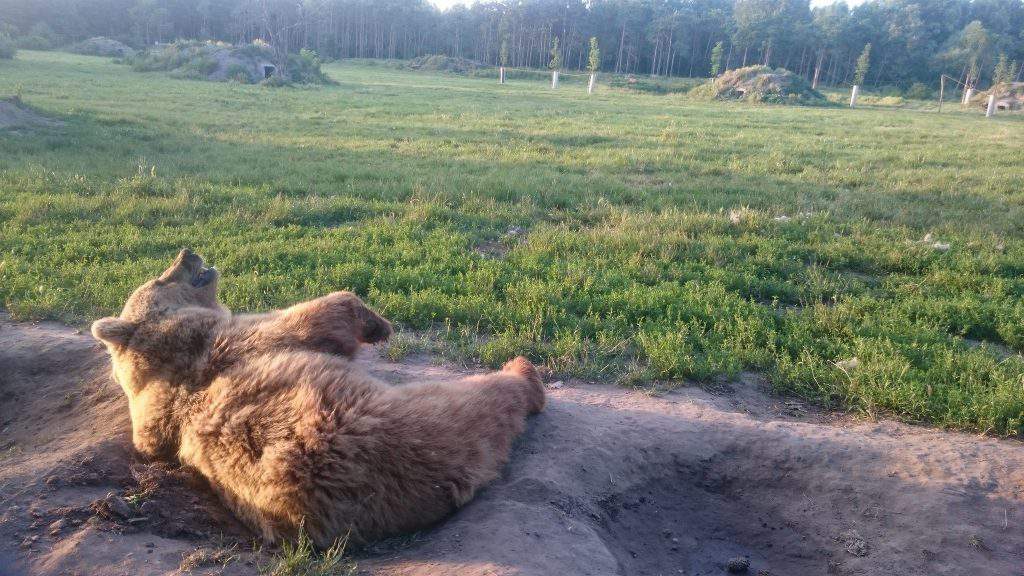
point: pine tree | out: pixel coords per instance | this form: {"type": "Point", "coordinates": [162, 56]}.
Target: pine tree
{"type": "Point", "coordinates": [716, 59]}
{"type": "Point", "coordinates": [594, 60]}
{"type": "Point", "coordinates": [556, 55]}
{"type": "Point", "coordinates": [863, 62]}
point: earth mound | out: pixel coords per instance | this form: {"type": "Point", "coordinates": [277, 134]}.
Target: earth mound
{"type": "Point", "coordinates": [439, 63]}
{"type": "Point", "coordinates": [103, 46]}
{"type": "Point", "coordinates": [220, 62]}
{"type": "Point", "coordinates": [1009, 96]}
{"type": "Point", "coordinates": [16, 114]}
{"type": "Point", "coordinates": [606, 481]}
{"type": "Point", "coordinates": [760, 84]}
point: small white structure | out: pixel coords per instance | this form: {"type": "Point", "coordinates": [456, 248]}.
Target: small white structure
{"type": "Point", "coordinates": [853, 95]}
{"type": "Point", "coordinates": [554, 79]}
{"type": "Point", "coordinates": [590, 85]}
{"type": "Point", "coordinates": [501, 75]}
{"type": "Point", "coordinates": [991, 109]}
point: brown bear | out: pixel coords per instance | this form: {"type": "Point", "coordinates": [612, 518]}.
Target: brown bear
{"type": "Point", "coordinates": [287, 429]}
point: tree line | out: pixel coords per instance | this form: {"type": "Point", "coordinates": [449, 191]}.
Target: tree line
{"type": "Point", "coordinates": [911, 41]}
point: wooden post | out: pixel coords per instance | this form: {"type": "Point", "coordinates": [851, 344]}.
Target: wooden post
{"type": "Point", "coordinates": [942, 90]}
{"type": "Point", "coordinates": [501, 75]}
{"type": "Point", "coordinates": [590, 86]}
{"type": "Point", "coordinates": [991, 106]}
{"type": "Point", "coordinates": [853, 95]}
{"type": "Point", "coordinates": [554, 79]}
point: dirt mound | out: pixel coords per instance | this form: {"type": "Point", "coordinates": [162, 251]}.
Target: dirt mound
{"type": "Point", "coordinates": [439, 63]}
{"type": "Point", "coordinates": [102, 46]}
{"type": "Point", "coordinates": [606, 481]}
{"type": "Point", "coordinates": [219, 62]}
{"type": "Point", "coordinates": [761, 84]}
{"type": "Point", "coordinates": [1009, 96]}
{"type": "Point", "coordinates": [16, 114]}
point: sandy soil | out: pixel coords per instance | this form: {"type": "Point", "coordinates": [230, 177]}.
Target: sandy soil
{"type": "Point", "coordinates": [606, 482]}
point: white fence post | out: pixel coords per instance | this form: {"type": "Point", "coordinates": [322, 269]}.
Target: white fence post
{"type": "Point", "coordinates": [967, 96]}
{"type": "Point", "coordinates": [501, 75]}
{"type": "Point", "coordinates": [554, 79]}
{"type": "Point", "coordinates": [590, 86]}
{"type": "Point", "coordinates": [991, 106]}
{"type": "Point", "coordinates": [853, 95]}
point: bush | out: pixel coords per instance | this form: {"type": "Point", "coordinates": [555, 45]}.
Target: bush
{"type": "Point", "coordinates": [7, 47]}
{"type": "Point", "coordinates": [275, 82]}
{"type": "Point", "coordinates": [34, 43]}
{"type": "Point", "coordinates": [654, 85]}
{"type": "Point", "coordinates": [240, 74]}
{"type": "Point", "coordinates": [441, 63]}
{"type": "Point", "coordinates": [39, 37]}
{"type": "Point", "coordinates": [304, 68]}
{"type": "Point", "coordinates": [919, 91]}
{"type": "Point", "coordinates": [198, 68]}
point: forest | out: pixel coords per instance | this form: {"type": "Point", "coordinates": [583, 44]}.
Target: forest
{"type": "Point", "coordinates": [911, 41]}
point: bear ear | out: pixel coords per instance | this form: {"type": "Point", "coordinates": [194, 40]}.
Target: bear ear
{"type": "Point", "coordinates": [112, 330]}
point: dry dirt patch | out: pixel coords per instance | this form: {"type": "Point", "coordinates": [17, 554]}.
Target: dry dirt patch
{"type": "Point", "coordinates": [606, 482]}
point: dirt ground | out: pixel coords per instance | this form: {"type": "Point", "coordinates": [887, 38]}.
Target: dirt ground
{"type": "Point", "coordinates": [606, 481]}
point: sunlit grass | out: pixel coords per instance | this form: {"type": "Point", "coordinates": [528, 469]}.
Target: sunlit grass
{"type": "Point", "coordinates": [661, 238]}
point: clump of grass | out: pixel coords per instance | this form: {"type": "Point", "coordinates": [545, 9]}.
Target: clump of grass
{"type": "Point", "coordinates": [301, 558]}
{"type": "Point", "coordinates": [205, 556]}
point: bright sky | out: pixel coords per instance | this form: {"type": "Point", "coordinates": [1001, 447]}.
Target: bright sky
{"type": "Point", "coordinates": [444, 4]}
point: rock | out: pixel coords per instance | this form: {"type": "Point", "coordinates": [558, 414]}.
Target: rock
{"type": "Point", "coordinates": [556, 385]}
{"type": "Point", "coordinates": [855, 543]}
{"type": "Point", "coordinates": [737, 565]}
{"type": "Point", "coordinates": [149, 508]}
{"type": "Point", "coordinates": [57, 526]}
{"type": "Point", "coordinates": [848, 364]}
{"type": "Point", "coordinates": [118, 505]}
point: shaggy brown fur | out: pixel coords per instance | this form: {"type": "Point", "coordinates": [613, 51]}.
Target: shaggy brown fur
{"type": "Point", "coordinates": [286, 429]}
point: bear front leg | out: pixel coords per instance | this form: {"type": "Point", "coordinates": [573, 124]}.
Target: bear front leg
{"type": "Point", "coordinates": [336, 324]}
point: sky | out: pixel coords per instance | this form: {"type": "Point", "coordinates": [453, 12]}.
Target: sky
{"type": "Point", "coordinates": [449, 3]}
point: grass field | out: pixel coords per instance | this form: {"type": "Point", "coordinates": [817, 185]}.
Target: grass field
{"type": "Point", "coordinates": [641, 238]}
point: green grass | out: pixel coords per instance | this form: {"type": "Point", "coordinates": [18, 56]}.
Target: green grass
{"type": "Point", "coordinates": [403, 186]}
{"type": "Point", "coordinates": [301, 558]}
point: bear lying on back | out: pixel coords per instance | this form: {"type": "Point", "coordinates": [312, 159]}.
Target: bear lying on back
{"type": "Point", "coordinates": [288, 431]}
